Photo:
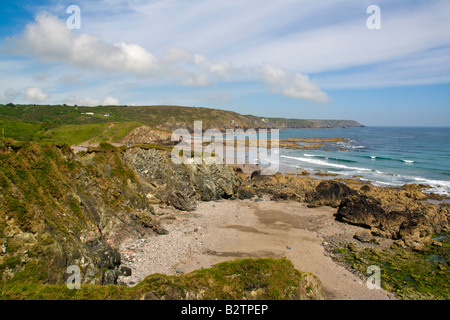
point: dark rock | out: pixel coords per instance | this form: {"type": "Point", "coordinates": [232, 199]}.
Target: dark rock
{"type": "Point", "coordinates": [329, 193]}
{"type": "Point", "coordinates": [105, 256]}
{"type": "Point", "coordinates": [414, 227]}
{"type": "Point", "coordinates": [255, 175]}
{"type": "Point", "coordinates": [245, 192]}
{"type": "Point", "coordinates": [109, 276]}
{"type": "Point", "coordinates": [125, 271]}
{"type": "Point", "coordinates": [361, 210]}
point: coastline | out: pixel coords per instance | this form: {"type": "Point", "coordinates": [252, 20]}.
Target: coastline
{"type": "Point", "coordinates": [156, 223]}
{"type": "Point", "coordinates": [266, 225]}
{"type": "Point", "coordinates": [225, 230]}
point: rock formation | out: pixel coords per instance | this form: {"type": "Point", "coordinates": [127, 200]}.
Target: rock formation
{"type": "Point", "coordinates": [329, 193]}
{"type": "Point", "coordinates": [413, 226]}
{"type": "Point", "coordinates": [61, 209]}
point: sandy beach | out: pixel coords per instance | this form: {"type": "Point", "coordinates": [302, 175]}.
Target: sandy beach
{"type": "Point", "coordinates": [228, 229]}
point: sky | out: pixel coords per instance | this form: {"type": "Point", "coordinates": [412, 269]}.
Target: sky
{"type": "Point", "coordinates": [379, 62]}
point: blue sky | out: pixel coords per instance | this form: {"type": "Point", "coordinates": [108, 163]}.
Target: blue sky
{"type": "Point", "coordinates": [287, 58]}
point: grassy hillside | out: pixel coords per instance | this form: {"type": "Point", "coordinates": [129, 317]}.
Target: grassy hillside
{"type": "Point", "coordinates": [261, 279]}
{"type": "Point", "coordinates": [76, 124]}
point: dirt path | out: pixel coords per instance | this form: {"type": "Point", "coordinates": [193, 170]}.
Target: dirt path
{"type": "Point", "coordinates": [225, 230]}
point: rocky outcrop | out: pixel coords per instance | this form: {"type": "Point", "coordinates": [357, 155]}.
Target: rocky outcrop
{"type": "Point", "coordinates": [329, 193]}
{"type": "Point", "coordinates": [362, 211]}
{"type": "Point", "coordinates": [282, 187]}
{"type": "Point", "coordinates": [182, 185]}
{"type": "Point", "coordinates": [413, 226]}
{"type": "Point", "coordinates": [60, 209]}
{"type": "Point", "coordinates": [146, 135]}
{"type": "Point", "coordinates": [396, 213]}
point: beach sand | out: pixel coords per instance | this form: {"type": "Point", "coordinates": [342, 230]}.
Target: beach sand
{"type": "Point", "coordinates": [229, 229]}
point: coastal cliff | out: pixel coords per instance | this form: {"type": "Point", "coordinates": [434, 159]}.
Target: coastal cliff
{"type": "Point", "coordinates": [140, 124]}
{"type": "Point", "coordinates": [61, 209]}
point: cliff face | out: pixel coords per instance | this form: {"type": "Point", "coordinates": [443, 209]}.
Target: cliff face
{"type": "Point", "coordinates": [60, 209]}
{"type": "Point", "coordinates": [181, 185]}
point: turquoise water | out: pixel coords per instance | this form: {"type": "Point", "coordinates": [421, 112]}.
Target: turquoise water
{"type": "Point", "coordinates": [386, 156]}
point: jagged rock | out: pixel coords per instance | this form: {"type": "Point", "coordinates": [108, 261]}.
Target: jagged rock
{"type": "Point", "coordinates": [412, 226]}
{"type": "Point", "coordinates": [160, 230]}
{"type": "Point", "coordinates": [105, 256]}
{"type": "Point", "coordinates": [181, 185]}
{"type": "Point", "coordinates": [181, 201]}
{"type": "Point", "coordinates": [360, 210]}
{"type": "Point", "coordinates": [329, 193]}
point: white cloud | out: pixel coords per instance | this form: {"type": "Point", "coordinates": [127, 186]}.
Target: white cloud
{"type": "Point", "coordinates": [48, 39]}
{"type": "Point", "coordinates": [219, 68]}
{"type": "Point", "coordinates": [108, 101]}
{"type": "Point", "coordinates": [294, 85]}
{"type": "Point", "coordinates": [35, 95]}
{"type": "Point", "coordinates": [347, 43]}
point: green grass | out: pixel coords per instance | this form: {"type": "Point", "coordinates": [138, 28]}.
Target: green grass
{"type": "Point", "coordinates": [20, 130]}
{"type": "Point", "coordinates": [72, 133]}
{"type": "Point", "coordinates": [273, 279]}
{"type": "Point", "coordinates": [68, 124]}
{"type": "Point", "coordinates": [41, 193]}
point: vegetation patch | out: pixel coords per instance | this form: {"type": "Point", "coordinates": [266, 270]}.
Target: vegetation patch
{"type": "Point", "coordinates": [410, 275]}
{"type": "Point", "coordinates": [263, 279]}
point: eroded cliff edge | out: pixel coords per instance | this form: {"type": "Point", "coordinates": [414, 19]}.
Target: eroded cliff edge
{"type": "Point", "coordinates": [60, 209]}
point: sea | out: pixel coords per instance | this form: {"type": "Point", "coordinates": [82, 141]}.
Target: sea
{"type": "Point", "coordinates": [385, 156]}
